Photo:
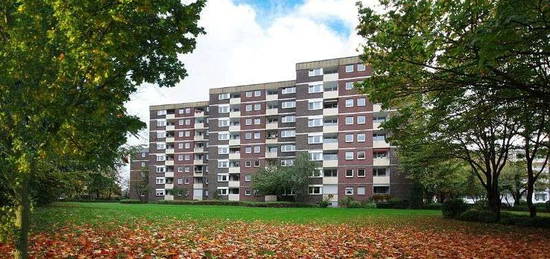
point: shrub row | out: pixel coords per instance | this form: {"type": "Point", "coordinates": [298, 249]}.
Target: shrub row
{"type": "Point", "coordinates": [131, 201]}
{"type": "Point", "coordinates": [278, 204]}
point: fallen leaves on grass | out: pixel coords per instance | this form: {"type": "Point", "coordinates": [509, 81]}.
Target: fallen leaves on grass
{"type": "Point", "coordinates": [198, 239]}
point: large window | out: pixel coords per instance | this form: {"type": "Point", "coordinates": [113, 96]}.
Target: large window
{"type": "Point", "coordinates": [317, 122]}
{"type": "Point", "coordinates": [349, 68]}
{"type": "Point", "coordinates": [315, 190]}
{"type": "Point", "coordinates": [288, 104]}
{"type": "Point", "coordinates": [361, 137]}
{"type": "Point", "coordinates": [223, 136]}
{"type": "Point", "coordinates": [349, 85]}
{"type": "Point", "coordinates": [315, 72]}
{"type": "Point", "coordinates": [361, 102]}
{"type": "Point", "coordinates": [161, 123]}
{"type": "Point", "coordinates": [287, 119]}
{"type": "Point", "coordinates": [330, 173]}
{"type": "Point", "coordinates": [289, 90]}
{"type": "Point", "coordinates": [381, 189]}
{"type": "Point", "coordinates": [349, 120]}
{"type": "Point", "coordinates": [361, 67]}
{"type": "Point", "coordinates": [315, 139]}
{"type": "Point", "coordinates": [315, 105]}
{"type": "Point", "coordinates": [378, 137]}
{"type": "Point", "coordinates": [379, 172]}
{"type": "Point", "coordinates": [223, 122]}
{"type": "Point", "coordinates": [223, 109]}
{"type": "Point", "coordinates": [288, 148]}
{"type": "Point", "coordinates": [349, 103]}
{"type": "Point", "coordinates": [223, 96]}
{"type": "Point", "coordinates": [316, 156]}
{"type": "Point", "coordinates": [223, 150]}
{"type": "Point", "coordinates": [349, 156]}
{"type": "Point", "coordinates": [317, 88]}
{"type": "Point", "coordinates": [288, 133]}
{"type": "Point", "coordinates": [223, 163]}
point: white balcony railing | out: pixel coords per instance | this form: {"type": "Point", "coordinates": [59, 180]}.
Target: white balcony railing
{"type": "Point", "coordinates": [170, 116]}
{"type": "Point", "coordinates": [169, 186]}
{"type": "Point", "coordinates": [235, 114]}
{"type": "Point", "coordinates": [234, 142]}
{"type": "Point", "coordinates": [199, 125]}
{"type": "Point", "coordinates": [234, 156]}
{"type": "Point", "coordinates": [272, 125]}
{"type": "Point", "coordinates": [330, 163]}
{"type": "Point", "coordinates": [330, 111]}
{"type": "Point", "coordinates": [170, 127]}
{"type": "Point", "coordinates": [330, 129]}
{"type": "Point", "coordinates": [168, 174]}
{"type": "Point", "coordinates": [169, 162]}
{"type": "Point", "coordinates": [330, 146]}
{"type": "Point", "coordinates": [272, 111]}
{"type": "Point", "coordinates": [199, 114]}
{"type": "Point", "coordinates": [271, 155]}
{"type": "Point", "coordinates": [271, 97]}
{"type": "Point", "coordinates": [198, 162]}
{"type": "Point", "coordinates": [234, 127]}
{"type": "Point", "coordinates": [380, 144]}
{"type": "Point", "coordinates": [234, 170]}
{"type": "Point", "coordinates": [330, 180]}
{"type": "Point", "coordinates": [233, 197]}
{"type": "Point", "coordinates": [383, 161]}
{"type": "Point", "coordinates": [234, 184]}
{"type": "Point", "coordinates": [235, 100]}
{"type": "Point", "coordinates": [330, 94]}
{"type": "Point", "coordinates": [198, 186]}
{"type": "Point", "coordinates": [170, 139]}
{"type": "Point", "coordinates": [169, 151]}
{"type": "Point", "coordinates": [381, 179]}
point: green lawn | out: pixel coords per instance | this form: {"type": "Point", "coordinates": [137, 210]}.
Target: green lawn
{"type": "Point", "coordinates": [97, 213]}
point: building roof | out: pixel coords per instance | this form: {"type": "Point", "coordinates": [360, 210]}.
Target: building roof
{"type": "Point", "coordinates": [178, 105]}
{"type": "Point", "coordinates": [328, 63]}
{"type": "Point", "coordinates": [269, 85]}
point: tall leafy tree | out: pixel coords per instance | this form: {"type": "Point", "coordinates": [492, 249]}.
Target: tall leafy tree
{"type": "Point", "coordinates": [66, 70]}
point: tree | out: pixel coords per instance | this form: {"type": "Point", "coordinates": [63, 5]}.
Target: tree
{"type": "Point", "coordinates": [66, 71]}
{"type": "Point", "coordinates": [469, 64]}
{"type": "Point", "coordinates": [513, 176]}
{"type": "Point", "coordinates": [280, 180]}
{"type": "Point", "coordinates": [141, 186]}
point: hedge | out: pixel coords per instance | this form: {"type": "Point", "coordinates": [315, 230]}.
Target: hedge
{"type": "Point", "coordinates": [277, 204]}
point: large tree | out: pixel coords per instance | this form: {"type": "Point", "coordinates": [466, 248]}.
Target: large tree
{"type": "Point", "coordinates": [469, 64]}
{"type": "Point", "coordinates": [66, 70]}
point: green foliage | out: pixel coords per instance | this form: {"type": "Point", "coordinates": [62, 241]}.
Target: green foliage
{"type": "Point", "coordinates": [454, 208]}
{"type": "Point", "coordinates": [276, 204]}
{"type": "Point", "coordinates": [323, 204]}
{"type": "Point", "coordinates": [131, 201]}
{"type": "Point", "coordinates": [479, 215]}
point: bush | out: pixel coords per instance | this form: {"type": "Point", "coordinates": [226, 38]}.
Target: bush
{"type": "Point", "coordinates": [547, 206]}
{"type": "Point", "coordinates": [393, 204]}
{"type": "Point", "coordinates": [432, 206]}
{"type": "Point", "coordinates": [381, 197]}
{"type": "Point", "coordinates": [368, 205]}
{"type": "Point", "coordinates": [479, 216]}
{"type": "Point", "coordinates": [131, 201]}
{"type": "Point", "coordinates": [355, 204]}
{"type": "Point", "coordinates": [345, 202]}
{"type": "Point", "coordinates": [323, 204]}
{"type": "Point", "coordinates": [454, 208]}
{"type": "Point", "coordinates": [276, 204]}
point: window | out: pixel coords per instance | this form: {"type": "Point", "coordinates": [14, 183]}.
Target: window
{"type": "Point", "coordinates": [288, 104]}
{"type": "Point", "coordinates": [256, 163]}
{"type": "Point", "coordinates": [159, 192]}
{"type": "Point", "coordinates": [315, 105]}
{"type": "Point", "coordinates": [188, 133]}
{"type": "Point", "coordinates": [315, 72]}
{"type": "Point", "coordinates": [188, 157]}
{"type": "Point", "coordinates": [248, 122]}
{"type": "Point", "coordinates": [257, 135]}
{"type": "Point", "coordinates": [288, 133]}
{"type": "Point", "coordinates": [181, 111]}
{"type": "Point", "coordinates": [316, 156]}
{"type": "Point", "coordinates": [160, 169]}
{"type": "Point", "coordinates": [257, 149]}
{"type": "Point", "coordinates": [248, 150]}
{"type": "Point", "coordinates": [361, 119]}
{"type": "Point", "coordinates": [161, 158]}
{"type": "Point", "coordinates": [287, 162]}
{"type": "Point", "coordinates": [248, 178]}
{"type": "Point", "coordinates": [257, 121]}
{"type": "Point", "coordinates": [287, 119]}
{"type": "Point", "coordinates": [248, 135]}
{"type": "Point", "coordinates": [248, 107]}
{"type": "Point", "coordinates": [248, 94]}
{"type": "Point", "coordinates": [161, 112]}
{"type": "Point", "coordinates": [180, 169]}
{"type": "Point", "coordinates": [330, 173]}
{"type": "Point", "coordinates": [223, 136]}
{"type": "Point", "coordinates": [161, 123]}
{"type": "Point", "coordinates": [180, 145]}
{"type": "Point", "coordinates": [349, 172]}
{"type": "Point", "coordinates": [315, 190]}
{"type": "Point", "coordinates": [180, 134]}
{"type": "Point", "coordinates": [223, 163]}
{"type": "Point", "coordinates": [349, 68]}
{"type": "Point", "coordinates": [161, 146]}
{"type": "Point", "coordinates": [187, 110]}
{"type": "Point", "coordinates": [143, 164]}
{"type": "Point", "coordinates": [257, 106]}
{"type": "Point", "coordinates": [360, 154]}
{"type": "Point", "coordinates": [223, 150]}
{"type": "Point", "coordinates": [379, 172]}
{"type": "Point", "coordinates": [187, 169]}
{"type": "Point", "coordinates": [349, 191]}
{"type": "Point", "coordinates": [349, 120]}
{"type": "Point", "coordinates": [379, 137]}
{"type": "Point", "coordinates": [361, 67]}
{"type": "Point", "coordinates": [315, 139]}
{"type": "Point", "coordinates": [349, 156]}
{"type": "Point", "coordinates": [223, 122]}
{"type": "Point", "coordinates": [379, 119]}
{"type": "Point", "coordinates": [247, 192]}
{"type": "Point", "coordinates": [180, 157]}
{"type": "Point", "coordinates": [180, 181]}
{"type": "Point", "coordinates": [315, 122]}
{"type": "Point", "coordinates": [317, 173]}
{"type": "Point", "coordinates": [381, 189]}
{"type": "Point", "coordinates": [361, 173]}
{"type": "Point", "coordinates": [223, 177]}
{"type": "Point", "coordinates": [289, 90]}
{"type": "Point", "coordinates": [317, 88]}
{"type": "Point", "coordinates": [248, 164]}
{"type": "Point", "coordinates": [349, 138]}
{"type": "Point", "coordinates": [361, 101]}
{"type": "Point", "coordinates": [160, 180]}
{"type": "Point", "coordinates": [223, 191]}
{"type": "Point", "coordinates": [186, 180]}
{"type": "Point", "coordinates": [288, 148]}
{"type": "Point", "coordinates": [360, 190]}
{"type": "Point", "coordinates": [161, 134]}
{"type": "Point", "coordinates": [180, 122]}
{"type": "Point", "coordinates": [143, 154]}
{"type": "Point", "coordinates": [349, 85]}
{"type": "Point", "coordinates": [257, 93]}
{"type": "Point", "coordinates": [349, 102]}
{"type": "Point", "coordinates": [223, 109]}
{"type": "Point", "coordinates": [223, 96]}
{"type": "Point", "coordinates": [361, 137]}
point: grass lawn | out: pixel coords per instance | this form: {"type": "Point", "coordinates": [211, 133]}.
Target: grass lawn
{"type": "Point", "coordinates": [112, 230]}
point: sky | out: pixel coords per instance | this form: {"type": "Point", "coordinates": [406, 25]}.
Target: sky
{"type": "Point", "coordinates": [255, 41]}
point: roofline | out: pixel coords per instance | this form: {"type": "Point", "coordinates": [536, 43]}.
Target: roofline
{"type": "Point", "coordinates": [250, 87]}
{"type": "Point", "coordinates": [178, 105]}
{"type": "Point", "coordinates": [328, 62]}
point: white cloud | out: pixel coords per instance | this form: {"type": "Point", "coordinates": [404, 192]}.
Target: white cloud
{"type": "Point", "coordinates": [238, 50]}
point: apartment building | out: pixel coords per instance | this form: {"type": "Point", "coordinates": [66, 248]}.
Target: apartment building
{"type": "Point", "coordinates": [139, 173]}
{"type": "Point", "coordinates": [250, 126]}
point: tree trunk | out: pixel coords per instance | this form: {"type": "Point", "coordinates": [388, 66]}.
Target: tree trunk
{"type": "Point", "coordinates": [493, 198]}
{"type": "Point", "coordinates": [22, 221]}
{"type": "Point", "coordinates": [517, 199]}
{"type": "Point", "coordinates": [530, 191]}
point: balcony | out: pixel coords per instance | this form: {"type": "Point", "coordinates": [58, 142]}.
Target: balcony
{"type": "Point", "coordinates": [198, 149]}
{"type": "Point", "coordinates": [199, 125]}
{"type": "Point", "coordinates": [330, 111]}
{"type": "Point", "coordinates": [376, 107]}
{"type": "Point", "coordinates": [169, 162]}
{"type": "Point", "coordinates": [198, 162]}
{"type": "Point", "coordinates": [199, 138]}
{"type": "Point", "coordinates": [169, 151]}
{"type": "Point", "coordinates": [376, 125]}
{"type": "Point", "coordinates": [234, 170]}
{"type": "Point", "coordinates": [169, 174]}
{"type": "Point", "coordinates": [235, 100]}
{"type": "Point", "coordinates": [271, 141]}
{"type": "Point", "coordinates": [330, 180]}
{"type": "Point", "coordinates": [381, 179]}
{"type": "Point", "coordinates": [198, 185]}
{"type": "Point", "coordinates": [272, 111]}
{"type": "Point", "coordinates": [234, 156]}
{"type": "Point", "coordinates": [380, 144]}
{"type": "Point", "coordinates": [330, 129]}
{"type": "Point", "coordinates": [170, 127]}
{"type": "Point", "coordinates": [168, 197]}
{"type": "Point", "coordinates": [170, 139]}
{"type": "Point", "coordinates": [271, 155]}
{"type": "Point", "coordinates": [330, 77]}
{"type": "Point", "coordinates": [330, 94]}
{"type": "Point", "coordinates": [233, 197]}
{"type": "Point", "coordinates": [330, 146]}
{"type": "Point", "coordinates": [234, 184]}
{"type": "Point", "coordinates": [235, 114]}
{"type": "Point", "coordinates": [272, 125]}
{"type": "Point", "coordinates": [199, 114]}
{"type": "Point", "coordinates": [383, 161]}
{"type": "Point", "coordinates": [198, 174]}
{"type": "Point", "coordinates": [234, 142]}
{"type": "Point", "coordinates": [330, 163]}
{"type": "Point", "coordinates": [170, 116]}
{"type": "Point", "coordinates": [169, 186]}
{"type": "Point", "coordinates": [234, 127]}
{"type": "Point", "coordinates": [271, 97]}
